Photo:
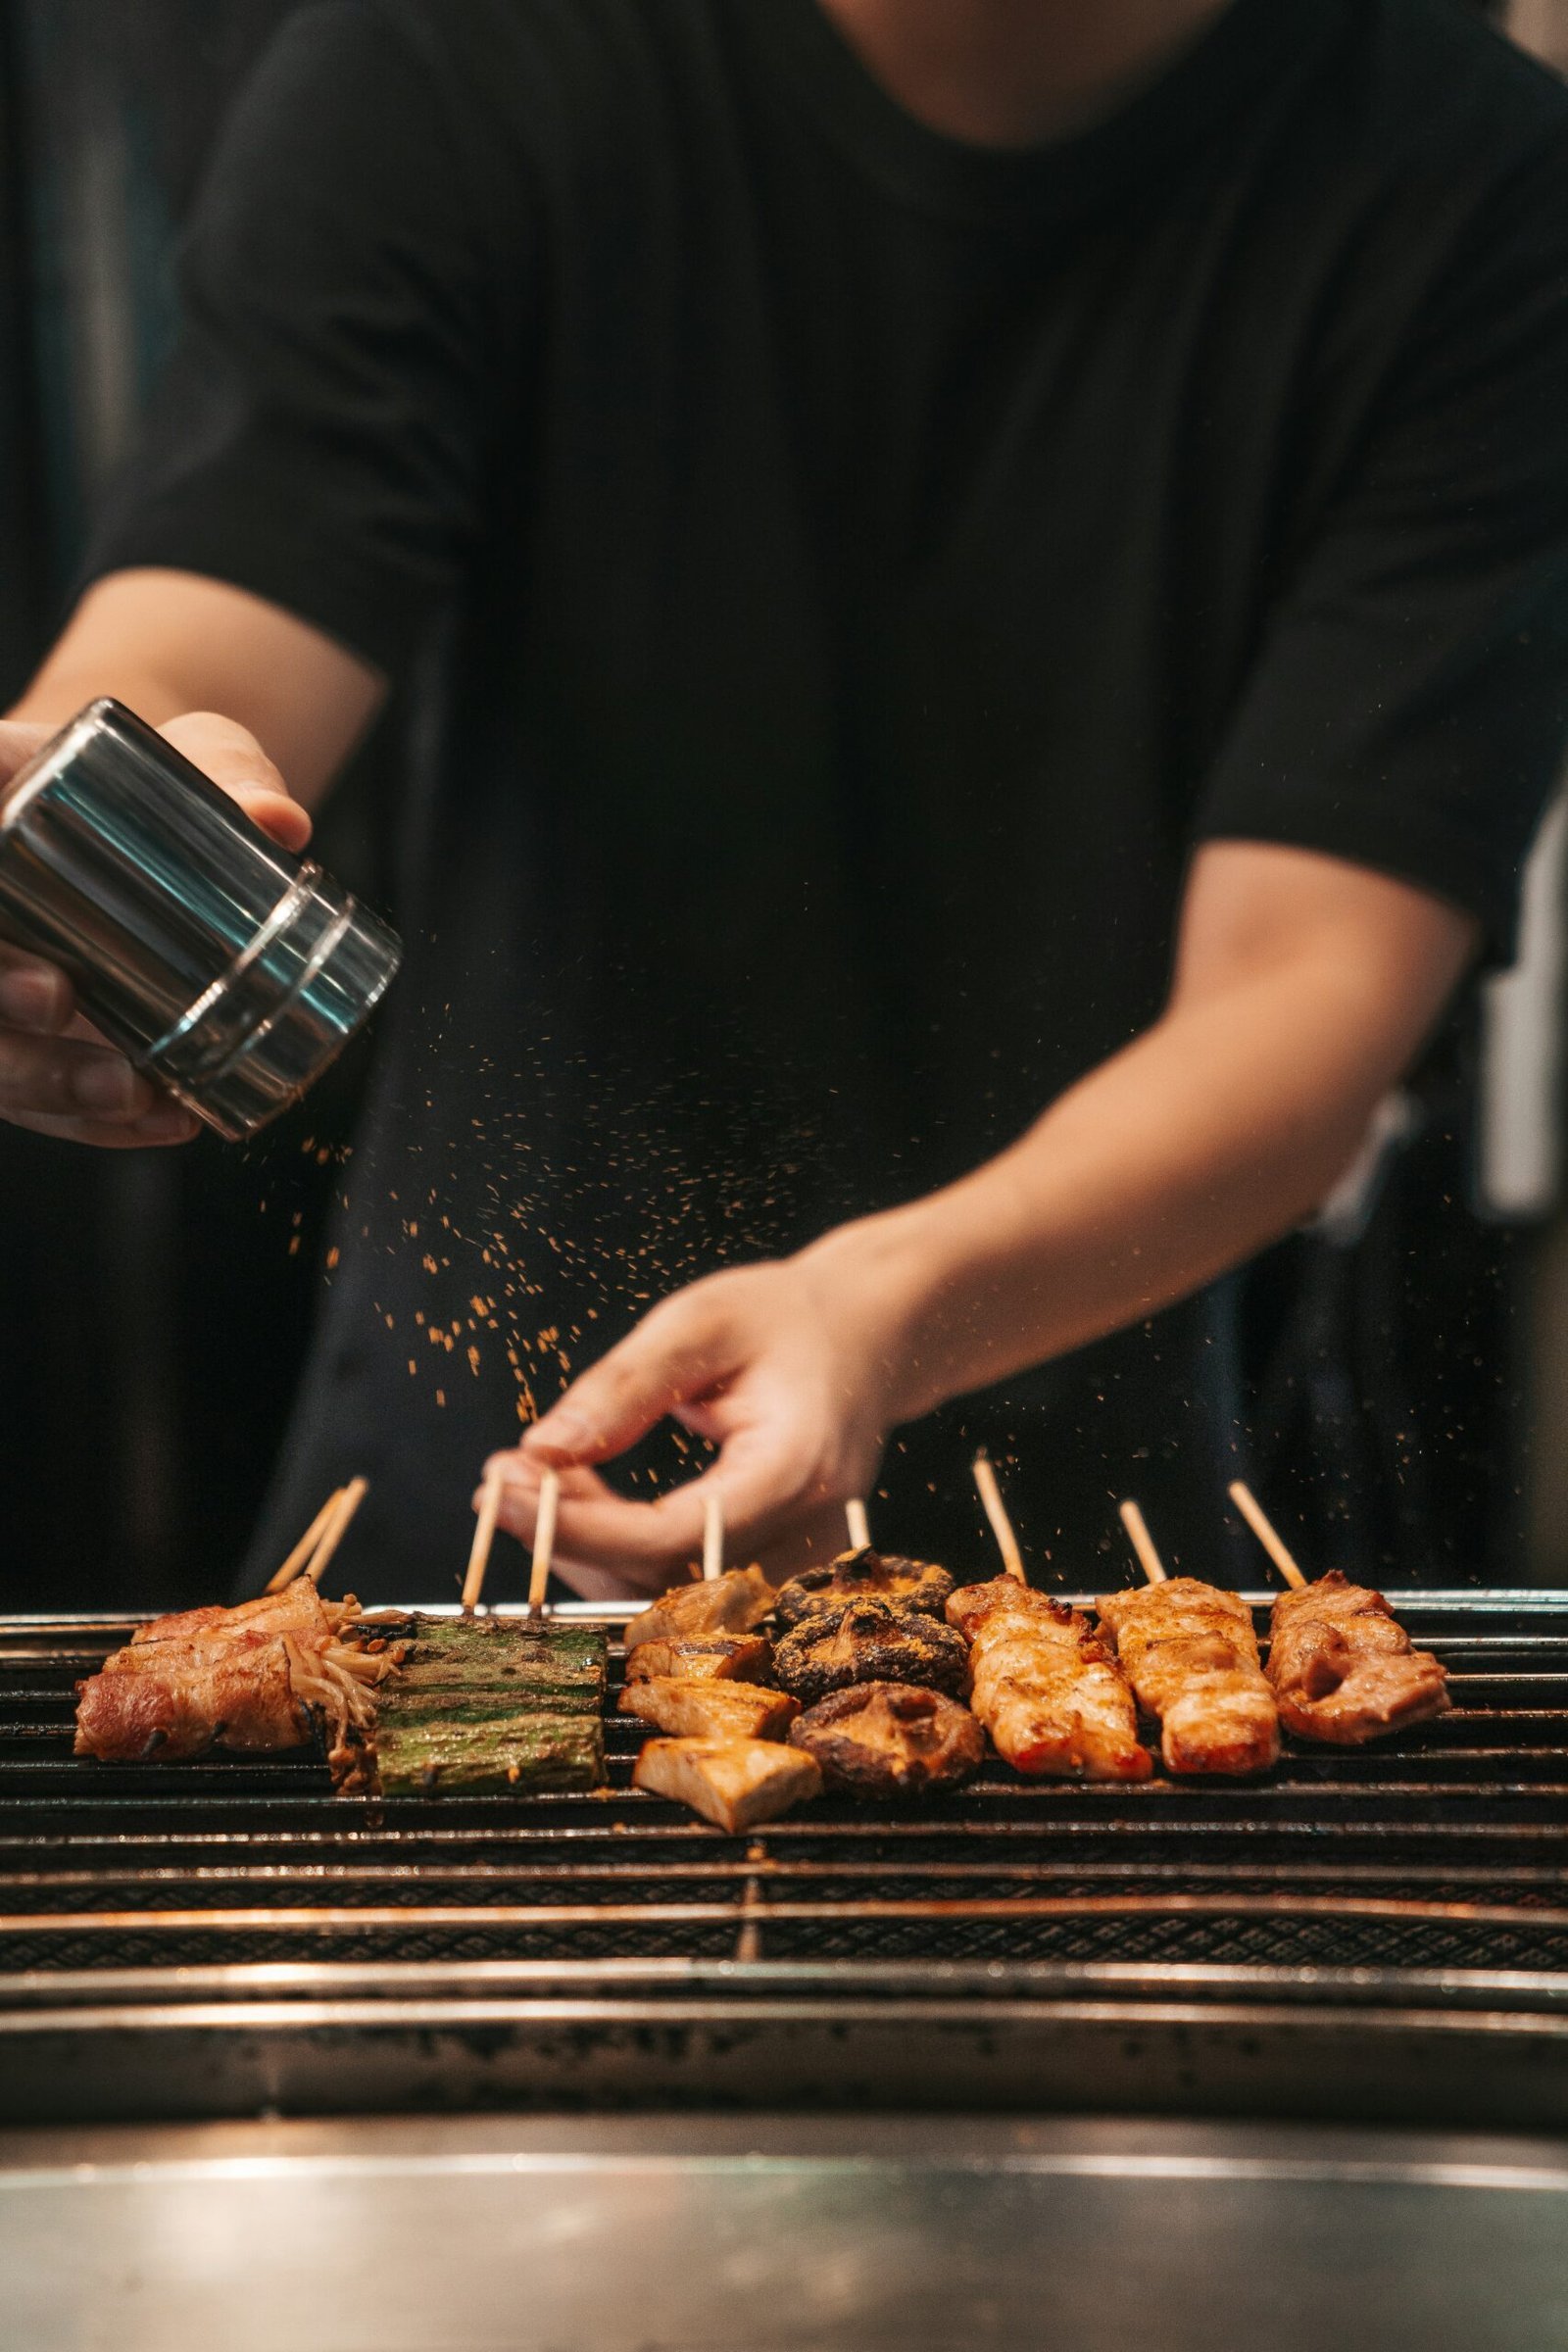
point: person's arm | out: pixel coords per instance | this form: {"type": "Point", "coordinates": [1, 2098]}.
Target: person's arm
{"type": "Point", "coordinates": [222, 674]}
{"type": "Point", "coordinates": [1303, 987]}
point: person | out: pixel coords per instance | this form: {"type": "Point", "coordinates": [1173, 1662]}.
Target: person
{"type": "Point", "coordinates": [996, 587]}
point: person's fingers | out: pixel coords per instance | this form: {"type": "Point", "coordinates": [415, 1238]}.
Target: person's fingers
{"type": "Point", "coordinates": [17, 744]}
{"type": "Point", "coordinates": [233, 758]}
{"type": "Point", "coordinates": [166, 1123]}
{"type": "Point", "coordinates": [59, 1079]}
{"type": "Point", "coordinates": [678, 1353]}
{"type": "Point", "coordinates": [34, 996]}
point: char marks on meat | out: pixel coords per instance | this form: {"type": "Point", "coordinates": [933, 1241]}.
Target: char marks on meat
{"type": "Point", "coordinates": [869, 1642]}
{"type": "Point", "coordinates": [1190, 1654]}
{"type": "Point", "coordinates": [1343, 1668]}
{"type": "Point", "coordinates": [1049, 1692]}
{"type": "Point", "coordinates": [865, 1576]}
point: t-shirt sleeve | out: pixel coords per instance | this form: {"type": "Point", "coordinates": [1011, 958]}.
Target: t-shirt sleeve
{"type": "Point", "coordinates": [1409, 704]}
{"type": "Point", "coordinates": [323, 432]}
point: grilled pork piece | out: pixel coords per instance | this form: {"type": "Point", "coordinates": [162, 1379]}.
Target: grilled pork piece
{"type": "Point", "coordinates": [1190, 1654]}
{"type": "Point", "coordinates": [720, 1657]}
{"type": "Point", "coordinates": [869, 1642]}
{"type": "Point", "coordinates": [735, 1783]}
{"type": "Point", "coordinates": [1045, 1686]}
{"type": "Point", "coordinates": [239, 1680]}
{"type": "Point", "coordinates": [889, 1740]}
{"type": "Point", "coordinates": [732, 1604]}
{"type": "Point", "coordinates": [863, 1576]}
{"type": "Point", "coordinates": [298, 1608]}
{"type": "Point", "coordinates": [710, 1709]}
{"type": "Point", "coordinates": [1343, 1668]}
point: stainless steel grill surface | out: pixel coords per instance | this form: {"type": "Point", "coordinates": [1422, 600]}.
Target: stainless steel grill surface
{"type": "Point", "coordinates": [1380, 1930]}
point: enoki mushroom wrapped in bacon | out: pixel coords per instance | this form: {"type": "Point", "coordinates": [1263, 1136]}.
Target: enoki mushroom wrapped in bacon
{"type": "Point", "coordinates": [267, 1675]}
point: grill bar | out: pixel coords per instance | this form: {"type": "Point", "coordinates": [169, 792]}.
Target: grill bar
{"type": "Point", "coordinates": [238, 1917]}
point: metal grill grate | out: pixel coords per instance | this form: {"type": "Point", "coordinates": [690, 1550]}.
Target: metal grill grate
{"type": "Point", "coordinates": [1434, 1857]}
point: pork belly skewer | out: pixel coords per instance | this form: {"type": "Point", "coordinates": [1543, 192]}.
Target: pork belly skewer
{"type": "Point", "coordinates": [1190, 1654]}
{"type": "Point", "coordinates": [1341, 1663]}
{"type": "Point", "coordinates": [1042, 1681]}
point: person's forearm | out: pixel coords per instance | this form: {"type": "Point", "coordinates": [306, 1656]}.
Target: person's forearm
{"type": "Point", "coordinates": [1214, 1133]}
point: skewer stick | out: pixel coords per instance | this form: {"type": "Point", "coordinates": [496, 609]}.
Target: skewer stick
{"type": "Point", "coordinates": [304, 1547]}
{"type": "Point", "coordinates": [485, 1535]}
{"type": "Point", "coordinates": [337, 1527]}
{"type": "Point", "coordinates": [544, 1540]}
{"type": "Point", "coordinates": [1143, 1543]}
{"type": "Point", "coordinates": [713, 1540]}
{"type": "Point", "coordinates": [1268, 1534]}
{"type": "Point", "coordinates": [985, 1477]}
{"type": "Point", "coordinates": [860, 1525]}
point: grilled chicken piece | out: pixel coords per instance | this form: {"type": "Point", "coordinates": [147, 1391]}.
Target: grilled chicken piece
{"type": "Point", "coordinates": [735, 1783]}
{"type": "Point", "coordinates": [710, 1709]}
{"type": "Point", "coordinates": [1190, 1654]}
{"type": "Point", "coordinates": [1343, 1668]}
{"type": "Point", "coordinates": [869, 1642]}
{"type": "Point", "coordinates": [863, 1576]}
{"type": "Point", "coordinates": [732, 1604]}
{"type": "Point", "coordinates": [720, 1657]}
{"type": "Point", "coordinates": [1045, 1686]}
{"type": "Point", "coordinates": [889, 1740]}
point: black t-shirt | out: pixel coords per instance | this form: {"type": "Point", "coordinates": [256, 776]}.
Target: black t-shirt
{"type": "Point", "coordinates": [866, 566]}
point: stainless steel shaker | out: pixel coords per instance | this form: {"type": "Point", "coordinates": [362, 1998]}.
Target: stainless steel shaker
{"type": "Point", "coordinates": [231, 972]}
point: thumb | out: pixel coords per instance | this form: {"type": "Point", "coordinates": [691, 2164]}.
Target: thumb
{"type": "Point", "coordinates": [675, 1355]}
{"type": "Point", "coordinates": [231, 758]}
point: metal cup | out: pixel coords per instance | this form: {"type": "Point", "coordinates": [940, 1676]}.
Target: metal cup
{"type": "Point", "coordinates": [228, 972]}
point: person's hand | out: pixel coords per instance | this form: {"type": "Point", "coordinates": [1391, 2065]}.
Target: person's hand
{"type": "Point", "coordinates": [57, 1074]}
{"type": "Point", "coordinates": [789, 1369]}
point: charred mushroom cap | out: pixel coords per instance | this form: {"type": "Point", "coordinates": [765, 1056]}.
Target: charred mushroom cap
{"type": "Point", "coordinates": [863, 1576]}
{"type": "Point", "coordinates": [889, 1740]}
{"type": "Point", "coordinates": [869, 1642]}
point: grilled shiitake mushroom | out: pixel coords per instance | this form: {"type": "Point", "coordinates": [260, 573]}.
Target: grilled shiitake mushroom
{"type": "Point", "coordinates": [865, 1576]}
{"type": "Point", "coordinates": [889, 1740]}
{"type": "Point", "coordinates": [870, 1642]}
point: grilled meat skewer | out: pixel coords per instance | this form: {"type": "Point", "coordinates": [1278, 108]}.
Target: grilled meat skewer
{"type": "Point", "coordinates": [1045, 1686]}
{"type": "Point", "coordinates": [732, 1604]}
{"type": "Point", "coordinates": [711, 1658]}
{"type": "Point", "coordinates": [1342, 1666]}
{"type": "Point", "coordinates": [734, 1783]}
{"type": "Point", "coordinates": [889, 1740]}
{"type": "Point", "coordinates": [869, 1642]}
{"type": "Point", "coordinates": [863, 1576]}
{"type": "Point", "coordinates": [693, 1708]}
{"type": "Point", "coordinates": [1190, 1654]}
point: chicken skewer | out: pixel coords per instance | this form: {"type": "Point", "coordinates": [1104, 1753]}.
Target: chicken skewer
{"type": "Point", "coordinates": [1190, 1654]}
{"type": "Point", "coordinates": [1043, 1684]}
{"type": "Point", "coordinates": [1340, 1664]}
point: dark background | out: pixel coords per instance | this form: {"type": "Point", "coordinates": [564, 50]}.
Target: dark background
{"type": "Point", "coordinates": [155, 1306]}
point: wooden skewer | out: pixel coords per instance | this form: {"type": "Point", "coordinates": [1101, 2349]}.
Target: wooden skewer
{"type": "Point", "coordinates": [1143, 1543]}
{"type": "Point", "coordinates": [304, 1547]}
{"type": "Point", "coordinates": [1268, 1534]}
{"type": "Point", "coordinates": [713, 1540]}
{"type": "Point", "coordinates": [860, 1525]}
{"type": "Point", "coordinates": [985, 1477]}
{"type": "Point", "coordinates": [485, 1535]}
{"type": "Point", "coordinates": [337, 1527]}
{"type": "Point", "coordinates": [544, 1540]}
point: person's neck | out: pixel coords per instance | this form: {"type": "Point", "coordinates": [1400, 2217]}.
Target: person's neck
{"type": "Point", "coordinates": [1011, 72]}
